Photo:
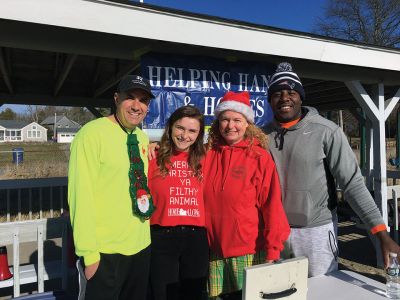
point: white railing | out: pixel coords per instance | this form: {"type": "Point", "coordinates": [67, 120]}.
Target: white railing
{"type": "Point", "coordinates": [393, 195]}
{"type": "Point", "coordinates": [26, 219]}
{"type": "Point", "coordinates": [17, 233]}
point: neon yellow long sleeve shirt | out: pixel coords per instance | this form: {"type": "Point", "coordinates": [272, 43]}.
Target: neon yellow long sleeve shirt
{"type": "Point", "coordinates": [98, 192]}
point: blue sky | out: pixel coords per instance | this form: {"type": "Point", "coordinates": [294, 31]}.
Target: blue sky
{"type": "Point", "coordinates": [290, 14]}
{"type": "Point", "coordinates": [20, 109]}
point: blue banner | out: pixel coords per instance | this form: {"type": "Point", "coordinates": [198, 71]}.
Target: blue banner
{"type": "Point", "coordinates": [202, 81]}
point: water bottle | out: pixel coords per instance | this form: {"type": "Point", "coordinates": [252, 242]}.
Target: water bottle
{"type": "Point", "coordinates": [393, 277]}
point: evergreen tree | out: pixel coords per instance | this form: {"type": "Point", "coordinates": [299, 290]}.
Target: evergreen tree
{"type": "Point", "coordinates": [8, 114]}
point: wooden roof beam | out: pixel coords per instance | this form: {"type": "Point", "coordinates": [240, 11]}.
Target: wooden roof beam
{"type": "Point", "coordinates": [116, 78]}
{"type": "Point", "coordinates": [94, 111]}
{"type": "Point", "coordinates": [5, 72]}
{"type": "Point", "coordinates": [125, 71]}
{"type": "Point", "coordinates": [64, 73]}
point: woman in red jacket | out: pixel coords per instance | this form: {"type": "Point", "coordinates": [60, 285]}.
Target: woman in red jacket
{"type": "Point", "coordinates": [245, 219]}
{"type": "Point", "coordinates": [179, 257]}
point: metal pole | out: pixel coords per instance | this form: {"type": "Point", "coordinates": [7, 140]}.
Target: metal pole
{"type": "Point", "coordinates": [398, 136]}
{"type": "Point", "coordinates": [363, 136]}
{"type": "Point", "coordinates": [55, 121]}
{"type": "Point", "coordinates": [340, 117]}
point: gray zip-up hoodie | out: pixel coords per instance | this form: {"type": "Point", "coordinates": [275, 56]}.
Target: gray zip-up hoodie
{"type": "Point", "coordinates": [309, 157]}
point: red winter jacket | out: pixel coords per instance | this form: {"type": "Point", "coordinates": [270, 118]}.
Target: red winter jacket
{"type": "Point", "coordinates": [242, 196]}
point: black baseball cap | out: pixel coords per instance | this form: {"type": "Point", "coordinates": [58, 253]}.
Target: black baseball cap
{"type": "Point", "coordinates": [131, 82]}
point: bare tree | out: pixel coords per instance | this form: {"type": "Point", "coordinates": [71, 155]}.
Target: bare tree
{"type": "Point", "coordinates": [37, 113]}
{"type": "Point", "coordinates": [78, 114]}
{"type": "Point", "coordinates": [371, 21]}
{"type": "Point", "coordinates": [32, 112]}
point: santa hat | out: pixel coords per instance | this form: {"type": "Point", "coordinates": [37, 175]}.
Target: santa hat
{"type": "Point", "coordinates": [285, 78]}
{"type": "Point", "coordinates": [141, 193]}
{"type": "Point", "coordinates": [238, 102]}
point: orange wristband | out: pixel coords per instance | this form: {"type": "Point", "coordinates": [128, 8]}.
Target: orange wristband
{"type": "Point", "coordinates": [377, 228]}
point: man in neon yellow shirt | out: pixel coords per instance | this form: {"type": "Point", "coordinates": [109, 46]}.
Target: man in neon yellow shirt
{"type": "Point", "coordinates": [110, 236]}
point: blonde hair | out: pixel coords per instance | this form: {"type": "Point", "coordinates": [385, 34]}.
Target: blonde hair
{"type": "Point", "coordinates": [252, 133]}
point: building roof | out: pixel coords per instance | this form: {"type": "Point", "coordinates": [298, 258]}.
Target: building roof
{"type": "Point", "coordinates": [254, 38]}
{"type": "Point", "coordinates": [13, 124]}
{"type": "Point", "coordinates": [67, 130]}
{"type": "Point", "coordinates": [60, 119]}
{"type": "Point", "coordinates": [50, 120]}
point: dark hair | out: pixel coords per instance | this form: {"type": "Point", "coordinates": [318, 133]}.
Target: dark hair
{"type": "Point", "coordinates": [196, 150]}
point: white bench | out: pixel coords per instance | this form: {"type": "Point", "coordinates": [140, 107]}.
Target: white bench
{"type": "Point", "coordinates": [15, 233]}
{"type": "Point", "coordinates": [28, 273]}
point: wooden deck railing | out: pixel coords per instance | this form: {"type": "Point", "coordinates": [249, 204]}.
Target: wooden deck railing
{"type": "Point", "coordinates": [23, 199]}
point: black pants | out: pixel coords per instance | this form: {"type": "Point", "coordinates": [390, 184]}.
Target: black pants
{"type": "Point", "coordinates": [120, 277]}
{"type": "Point", "coordinates": [179, 262]}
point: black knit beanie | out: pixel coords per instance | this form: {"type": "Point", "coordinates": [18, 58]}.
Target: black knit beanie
{"type": "Point", "coordinates": [285, 78]}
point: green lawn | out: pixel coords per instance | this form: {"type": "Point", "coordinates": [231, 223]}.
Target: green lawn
{"type": "Point", "coordinates": [46, 151]}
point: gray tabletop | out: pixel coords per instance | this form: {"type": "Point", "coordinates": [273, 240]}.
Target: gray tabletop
{"type": "Point", "coordinates": [345, 285]}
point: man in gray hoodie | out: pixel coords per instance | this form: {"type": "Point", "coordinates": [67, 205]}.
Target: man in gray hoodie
{"type": "Point", "coordinates": [312, 155]}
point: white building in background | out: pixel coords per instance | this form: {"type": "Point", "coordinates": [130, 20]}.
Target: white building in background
{"type": "Point", "coordinates": [65, 129]}
{"type": "Point", "coordinates": [21, 131]}
{"type": "Point", "coordinates": [66, 135]}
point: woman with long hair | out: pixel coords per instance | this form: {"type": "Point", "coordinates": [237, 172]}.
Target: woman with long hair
{"type": "Point", "coordinates": [245, 219]}
{"type": "Point", "coordinates": [179, 257]}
